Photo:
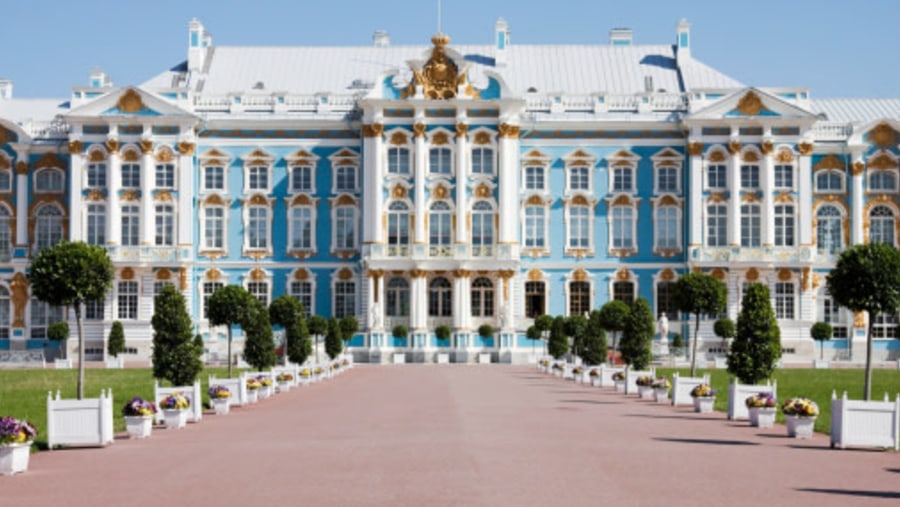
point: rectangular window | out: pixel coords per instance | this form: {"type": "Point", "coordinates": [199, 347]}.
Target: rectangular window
{"type": "Point", "coordinates": [345, 179]}
{"type": "Point", "coordinates": [127, 300]}
{"type": "Point", "coordinates": [834, 315]}
{"type": "Point", "coordinates": [885, 326]}
{"type": "Point", "coordinates": [165, 225]}
{"type": "Point", "coordinates": [93, 309]}
{"type": "Point", "coordinates": [131, 221]}
{"type": "Point", "coordinates": [214, 178]}
{"type": "Point", "coordinates": [623, 291]}
{"type": "Point", "coordinates": [667, 228]}
{"type": "Point", "coordinates": [534, 178]}
{"type": "Point", "coordinates": [258, 178]}
{"type": "Point", "coordinates": [42, 315]}
{"type": "Point", "coordinates": [715, 176]}
{"type": "Point", "coordinates": [784, 177]}
{"type": "Point", "coordinates": [96, 175]}
{"type": "Point", "coordinates": [165, 176]}
{"type": "Point", "coordinates": [623, 180]}
{"type": "Point", "coordinates": [303, 292]}
{"type": "Point", "coordinates": [482, 160]}
{"type": "Point", "coordinates": [301, 179]}
{"type": "Point", "coordinates": [439, 161]}
{"type": "Point", "coordinates": [208, 289]}
{"type": "Point", "coordinates": [345, 231]}
{"type": "Point", "coordinates": [784, 300]}
{"type": "Point", "coordinates": [716, 222]}
{"type": "Point", "coordinates": [259, 290]}
{"type": "Point", "coordinates": [131, 175]}
{"type": "Point", "coordinates": [579, 178]}
{"type": "Point", "coordinates": [665, 304]}
{"type": "Point", "coordinates": [622, 228]}
{"type": "Point", "coordinates": [301, 228]}
{"type": "Point", "coordinates": [579, 298]}
{"type": "Point", "coordinates": [535, 223]}
{"type": "Point", "coordinates": [750, 177]}
{"type": "Point", "coordinates": [214, 228]}
{"type": "Point", "coordinates": [750, 226]}
{"type": "Point", "coordinates": [535, 299]}
{"type": "Point", "coordinates": [398, 160]}
{"type": "Point", "coordinates": [96, 224]}
{"type": "Point", "coordinates": [667, 179]}
{"type": "Point", "coordinates": [344, 299]}
{"type": "Point", "coordinates": [579, 227]}
{"type": "Point", "coordinates": [258, 228]}
{"type": "Point", "coordinates": [784, 225]}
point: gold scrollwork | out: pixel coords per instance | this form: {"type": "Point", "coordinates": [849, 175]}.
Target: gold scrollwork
{"type": "Point", "coordinates": [76, 147]}
{"type": "Point", "coordinates": [752, 275]}
{"type": "Point", "coordinates": [507, 130]}
{"type": "Point", "coordinates": [21, 167]}
{"type": "Point", "coordinates": [130, 101]}
{"type": "Point", "coordinates": [112, 145]}
{"type": "Point", "coordinates": [805, 148]}
{"type": "Point", "coordinates": [146, 146]}
{"type": "Point", "coordinates": [186, 148]}
{"type": "Point", "coordinates": [784, 274]}
{"type": "Point", "coordinates": [734, 147]}
{"type": "Point", "coordinates": [439, 77]}
{"type": "Point", "coordinates": [461, 130]}
{"type": "Point", "coordinates": [859, 320]}
{"type": "Point", "coordinates": [766, 147]}
{"type": "Point", "coordinates": [750, 104]}
{"type": "Point", "coordinates": [718, 274]}
{"type": "Point", "coordinates": [883, 136]}
{"type": "Point", "coordinates": [373, 130]}
{"type": "Point", "coordinates": [695, 148]}
{"type": "Point", "coordinates": [857, 168]}
{"type": "Point", "coordinates": [419, 130]}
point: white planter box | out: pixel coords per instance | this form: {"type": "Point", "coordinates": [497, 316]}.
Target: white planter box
{"type": "Point", "coordinates": [192, 393]}
{"type": "Point", "coordinates": [116, 362]}
{"type": "Point", "coordinates": [484, 358]}
{"type": "Point", "coordinates": [14, 458]}
{"type": "Point", "coordinates": [799, 427]}
{"type": "Point", "coordinates": [291, 369]}
{"type": "Point", "coordinates": [821, 363]}
{"type": "Point", "coordinates": [762, 417]}
{"type": "Point", "coordinates": [865, 423]}
{"type": "Point", "coordinates": [704, 404]}
{"type": "Point", "coordinates": [399, 358]}
{"type": "Point", "coordinates": [176, 419]}
{"type": "Point", "coordinates": [284, 387]}
{"type": "Point", "coordinates": [221, 405]}
{"type": "Point", "coordinates": [738, 394]}
{"type": "Point", "coordinates": [62, 364]}
{"type": "Point", "coordinates": [139, 426]}
{"type": "Point", "coordinates": [252, 396]}
{"type": "Point", "coordinates": [237, 387]}
{"type": "Point", "coordinates": [80, 422]}
{"type": "Point", "coordinates": [646, 392]}
{"type": "Point", "coordinates": [682, 387]}
{"type": "Point", "coordinates": [632, 376]}
{"type": "Point", "coordinates": [443, 358]}
{"type": "Point", "coordinates": [606, 374]}
{"type": "Point", "coordinates": [661, 395]}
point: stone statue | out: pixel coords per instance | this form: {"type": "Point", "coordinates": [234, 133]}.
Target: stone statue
{"type": "Point", "coordinates": [375, 317]}
{"type": "Point", "coordinates": [19, 286]}
{"type": "Point", "coordinates": [663, 327]}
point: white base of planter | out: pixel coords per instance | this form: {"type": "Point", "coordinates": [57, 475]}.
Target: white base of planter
{"type": "Point", "coordinates": [484, 358]}
{"type": "Point", "coordinates": [762, 417]}
{"type": "Point", "coordinates": [646, 392]}
{"type": "Point", "coordinates": [662, 395]}
{"type": "Point", "coordinates": [620, 386]}
{"type": "Point", "coordinates": [704, 404]}
{"type": "Point", "coordinates": [799, 427]}
{"type": "Point", "coordinates": [176, 419]}
{"type": "Point", "coordinates": [399, 358]}
{"type": "Point", "coordinates": [252, 395]}
{"type": "Point", "coordinates": [139, 426]}
{"type": "Point", "coordinates": [284, 387]}
{"type": "Point", "coordinates": [443, 358]}
{"type": "Point", "coordinates": [221, 405]}
{"type": "Point", "coordinates": [14, 458]}
{"type": "Point", "coordinates": [595, 381]}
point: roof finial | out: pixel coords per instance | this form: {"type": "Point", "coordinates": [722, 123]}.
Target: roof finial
{"type": "Point", "coordinates": [439, 16]}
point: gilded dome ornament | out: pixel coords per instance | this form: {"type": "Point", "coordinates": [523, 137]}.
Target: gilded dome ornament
{"type": "Point", "coordinates": [130, 102]}
{"type": "Point", "coordinates": [439, 77]}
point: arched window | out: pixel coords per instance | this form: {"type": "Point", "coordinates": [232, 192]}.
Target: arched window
{"type": "Point", "coordinates": [623, 291]}
{"type": "Point", "coordinates": [716, 177]}
{"type": "Point", "coordinates": [749, 177]}
{"type": "Point", "coordinates": [829, 231]}
{"type": "Point", "coordinates": [96, 224]}
{"type": "Point", "coordinates": [49, 180]}
{"type": "Point", "coordinates": [398, 160]}
{"type": "Point", "coordinates": [784, 177]}
{"type": "Point", "coordinates": [440, 298]}
{"type": "Point", "coordinates": [397, 298]}
{"type": "Point", "coordinates": [259, 290]}
{"type": "Point", "coordinates": [127, 300]}
{"type": "Point", "coordinates": [96, 175]}
{"type": "Point", "coordinates": [482, 297]}
{"type": "Point", "coordinates": [439, 227]}
{"type": "Point", "coordinates": [398, 228]}
{"type": "Point", "coordinates": [535, 299]}
{"type": "Point", "coordinates": [48, 227]}
{"type": "Point", "coordinates": [209, 287]}
{"type": "Point", "coordinates": [301, 227]}
{"type": "Point", "coordinates": [667, 227]}
{"type": "Point", "coordinates": [482, 228]}
{"type": "Point", "coordinates": [881, 229]}
{"type": "Point", "coordinates": [165, 175]}
{"type": "Point", "coordinates": [302, 291]}
{"type": "Point", "coordinates": [344, 299]}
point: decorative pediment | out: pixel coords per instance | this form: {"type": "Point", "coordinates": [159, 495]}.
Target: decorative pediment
{"type": "Point", "coordinates": [130, 101]}
{"type": "Point", "coordinates": [883, 161]}
{"type": "Point", "coordinates": [752, 103]}
{"type": "Point", "coordinates": [439, 77]}
{"type": "Point", "coordinates": [829, 162]}
{"type": "Point", "coordinates": [883, 136]}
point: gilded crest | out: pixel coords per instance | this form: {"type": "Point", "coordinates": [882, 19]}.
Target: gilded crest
{"type": "Point", "coordinates": [752, 275]}
{"type": "Point", "coordinates": [130, 102]}
{"type": "Point", "coordinates": [883, 136]}
{"type": "Point", "coordinates": [439, 77]}
{"type": "Point", "coordinates": [750, 104]}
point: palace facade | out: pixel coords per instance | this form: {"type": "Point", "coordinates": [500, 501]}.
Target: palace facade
{"type": "Point", "coordinates": [446, 184]}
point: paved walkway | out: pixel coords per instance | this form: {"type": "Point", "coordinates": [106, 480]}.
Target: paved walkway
{"type": "Point", "coordinates": [434, 435]}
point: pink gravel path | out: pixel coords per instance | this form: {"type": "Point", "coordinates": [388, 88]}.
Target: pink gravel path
{"type": "Point", "coordinates": [440, 435]}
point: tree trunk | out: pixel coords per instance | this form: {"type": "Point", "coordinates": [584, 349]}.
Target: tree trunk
{"type": "Point", "coordinates": [229, 351]}
{"type": "Point", "coordinates": [868, 385]}
{"type": "Point", "coordinates": [694, 347]}
{"type": "Point", "coordinates": [78, 324]}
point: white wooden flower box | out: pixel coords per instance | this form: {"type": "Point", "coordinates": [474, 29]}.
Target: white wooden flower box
{"type": "Point", "coordinates": [631, 377]}
{"type": "Point", "coordinates": [682, 387]}
{"type": "Point", "coordinates": [484, 358]}
{"type": "Point", "coordinates": [399, 358]}
{"type": "Point", "coordinates": [115, 362]}
{"type": "Point", "coordinates": [192, 393]}
{"type": "Point", "coordinates": [606, 374]}
{"type": "Point", "coordinates": [738, 394]}
{"type": "Point", "coordinates": [865, 423]}
{"type": "Point", "coordinates": [80, 422]}
{"type": "Point", "coordinates": [139, 426]}
{"type": "Point", "coordinates": [443, 358]}
{"type": "Point", "coordinates": [237, 387]}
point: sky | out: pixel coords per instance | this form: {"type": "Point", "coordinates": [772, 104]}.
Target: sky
{"type": "Point", "coordinates": [835, 48]}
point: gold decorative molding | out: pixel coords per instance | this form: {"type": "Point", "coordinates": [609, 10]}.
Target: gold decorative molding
{"type": "Point", "coordinates": [112, 145]}
{"type": "Point", "coordinates": [186, 148]}
{"type": "Point", "coordinates": [49, 160]}
{"type": "Point", "coordinates": [97, 155]}
{"type": "Point", "coordinates": [767, 147]}
{"type": "Point", "coordinates": [4, 161]}
{"type": "Point", "coordinates": [399, 138]}
{"type": "Point", "coordinates": [718, 274]}
{"type": "Point", "coordinates": [805, 148]}
{"type": "Point", "coordinates": [146, 146]}
{"type": "Point", "coordinates": [667, 275]}
{"type": "Point", "coordinates": [217, 200]}
{"type": "Point", "coordinates": [419, 130]}
{"type": "Point", "coordinates": [373, 130]}
{"type": "Point", "coordinates": [667, 200]}
{"type": "Point", "coordinates": [785, 275]}
{"type": "Point", "coordinates": [535, 200]}
{"type": "Point", "coordinates": [257, 274]}
{"type": "Point", "coordinates": [164, 155]}
{"type": "Point", "coordinates": [535, 275]}
{"type": "Point", "coordinates": [695, 149]}
{"type": "Point", "coordinates": [130, 155]}
{"type": "Point", "coordinates": [750, 104]}
{"type": "Point", "coordinates": [130, 102]}
{"type": "Point", "coordinates": [750, 156]}
{"type": "Point", "coordinates": [804, 279]}
{"type": "Point", "coordinates": [784, 197]}
{"type": "Point", "coordinates": [257, 200]}
{"type": "Point", "coordinates": [859, 320]}
{"type": "Point", "coordinates": [883, 161]}
{"type": "Point", "coordinates": [716, 198]}
{"type": "Point", "coordinates": [19, 286]}
{"type": "Point", "coordinates": [816, 281]}
{"type": "Point", "coordinates": [883, 136]}
{"type": "Point", "coordinates": [622, 200]}
{"type": "Point", "coordinates": [461, 273]}
{"type": "Point", "coordinates": [5, 136]}
{"type": "Point", "coordinates": [183, 278]}
{"type": "Point", "coordinates": [76, 147]}
{"type": "Point", "coordinates": [21, 167]}
{"type": "Point", "coordinates": [439, 77]}
{"type": "Point", "coordinates": [440, 138]}
{"type": "Point", "coordinates": [301, 275]}
{"type": "Point", "coordinates": [623, 275]}
{"type": "Point", "coordinates": [829, 162]}
{"type": "Point", "coordinates": [483, 191]}
{"type": "Point", "coordinates": [461, 129]}
{"type": "Point", "coordinates": [482, 138]}
{"type": "Point", "coordinates": [750, 197]}
{"type": "Point", "coordinates": [752, 275]}
{"type": "Point", "coordinates": [126, 274]}
{"type": "Point", "coordinates": [399, 192]}
{"type": "Point", "coordinates": [857, 168]}
{"type": "Point", "coordinates": [579, 200]}
{"type": "Point", "coordinates": [164, 196]}
{"type": "Point", "coordinates": [214, 274]}
{"type": "Point", "coordinates": [418, 273]}
{"type": "Point", "coordinates": [717, 156]}
{"type": "Point", "coordinates": [163, 274]}
{"type": "Point", "coordinates": [440, 192]}
{"type": "Point", "coordinates": [784, 156]}
{"type": "Point", "coordinates": [508, 131]}
{"type": "Point", "coordinates": [734, 147]}
{"type": "Point", "coordinates": [95, 195]}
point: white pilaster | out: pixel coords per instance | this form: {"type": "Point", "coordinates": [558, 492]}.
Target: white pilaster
{"type": "Point", "coordinates": [114, 212]}
{"type": "Point", "coordinates": [76, 163]}
{"type": "Point", "coordinates": [21, 239]}
{"type": "Point", "coordinates": [856, 199]}
{"type": "Point", "coordinates": [734, 202]}
{"type": "Point", "coordinates": [421, 235]}
{"type": "Point", "coordinates": [418, 314]}
{"type": "Point", "coordinates": [804, 188]}
{"type": "Point", "coordinates": [767, 182]}
{"type": "Point", "coordinates": [462, 307]}
{"type": "Point", "coordinates": [373, 182]}
{"type": "Point", "coordinates": [184, 220]}
{"type": "Point", "coordinates": [148, 169]}
{"type": "Point", "coordinates": [462, 172]}
{"type": "Point", "coordinates": [509, 191]}
{"type": "Point", "coordinates": [695, 168]}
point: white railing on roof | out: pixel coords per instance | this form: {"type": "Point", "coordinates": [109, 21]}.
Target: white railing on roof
{"type": "Point", "coordinates": [46, 129]}
{"type": "Point", "coordinates": [599, 103]}
{"type": "Point", "coordinates": [274, 103]}
{"type": "Point", "coordinates": [831, 131]}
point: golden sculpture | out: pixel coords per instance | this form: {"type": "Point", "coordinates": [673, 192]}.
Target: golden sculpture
{"type": "Point", "coordinates": [373, 130]}
{"type": "Point", "coordinates": [130, 101]}
{"type": "Point", "coordinates": [751, 105]}
{"type": "Point", "coordinates": [883, 136]}
{"type": "Point", "coordinates": [766, 147]}
{"type": "Point", "coordinates": [19, 286]}
{"type": "Point", "coordinates": [695, 148]}
{"type": "Point", "coordinates": [439, 77]}
{"type": "Point", "coordinates": [805, 148]}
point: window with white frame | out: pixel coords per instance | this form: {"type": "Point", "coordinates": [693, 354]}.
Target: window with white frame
{"type": "Point", "coordinates": [667, 179]}
{"type": "Point", "coordinates": [258, 178]}
{"type": "Point", "coordinates": [440, 298]}
{"type": "Point", "coordinates": [398, 160]}
{"type": "Point", "coordinates": [398, 227]}
{"type": "Point", "coordinates": [882, 181]}
{"type": "Point", "coordinates": [5, 180]}
{"type": "Point", "coordinates": [482, 160]}
{"type": "Point", "coordinates": [440, 160]}
{"type": "Point", "coordinates": [784, 225]}
{"type": "Point", "coordinates": [302, 292]}
{"type": "Point", "coordinates": [579, 298]}
{"type": "Point", "coordinates": [580, 178]}
{"type": "Point", "coordinates": [784, 176]}
{"type": "Point", "coordinates": [165, 225]}
{"type": "Point", "coordinates": [829, 229]}
{"type": "Point", "coordinates": [345, 179]}
{"type": "Point", "coordinates": [6, 239]}
{"type": "Point", "coordinates": [784, 300]}
{"type": "Point", "coordinates": [345, 228]}
{"type": "Point", "coordinates": [482, 228]}
{"type": "Point", "coordinates": [158, 286]}
{"type": "Point", "coordinates": [535, 299]}
{"type": "Point", "coordinates": [535, 226]}
{"type": "Point", "coordinates": [48, 227]}
{"type": "Point", "coordinates": [258, 227]}
{"type": "Point", "coordinates": [750, 226]}
{"type": "Point", "coordinates": [93, 309]}
{"type": "Point", "coordinates": [579, 227]}
{"type": "Point", "coordinates": [623, 291]}
{"type": "Point", "coordinates": [213, 227]}
{"type": "Point", "coordinates": [208, 289]}
{"type": "Point", "coordinates": [165, 176]}
{"type": "Point", "coordinates": [482, 297]}
{"type": "Point", "coordinates": [131, 225]}
{"type": "Point", "coordinates": [665, 300]}
{"type": "Point", "coordinates": [96, 175]}
{"type": "Point", "coordinates": [439, 225]}
{"type": "Point", "coordinates": [42, 315]}
{"type": "Point", "coordinates": [830, 181]}
{"type": "Point", "coordinates": [668, 227]}
{"type": "Point", "coordinates": [131, 175]}
{"type": "Point", "coordinates": [623, 179]}
{"type": "Point", "coordinates": [885, 325]}
{"type": "Point", "coordinates": [834, 315]}
{"type": "Point", "coordinates": [95, 233]}
{"type": "Point", "coordinates": [716, 225]}
{"type": "Point", "coordinates": [260, 291]}
{"type": "Point", "coordinates": [301, 226]}
{"type": "Point", "coordinates": [749, 177]}
{"type": "Point", "coordinates": [344, 299]}
{"type": "Point", "coordinates": [881, 228]}
{"type": "Point", "coordinates": [397, 302]}
{"type": "Point", "coordinates": [302, 179]}
{"type": "Point", "coordinates": [127, 300]}
{"type": "Point", "coordinates": [214, 178]}
{"type": "Point", "coordinates": [535, 178]}
{"type": "Point", "coordinates": [5, 313]}
{"type": "Point", "coordinates": [49, 180]}
{"type": "Point", "coordinates": [716, 177]}
{"type": "Point", "coordinates": [622, 229]}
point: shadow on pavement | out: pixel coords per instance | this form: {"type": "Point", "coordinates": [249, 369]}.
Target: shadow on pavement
{"type": "Point", "coordinates": [708, 441]}
{"type": "Point", "coordinates": [853, 492]}
{"type": "Point", "coordinates": [593, 402]}
{"type": "Point", "coordinates": [691, 417]}
{"type": "Point", "coordinates": [892, 470]}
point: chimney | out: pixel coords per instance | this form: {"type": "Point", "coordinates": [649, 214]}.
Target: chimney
{"type": "Point", "coordinates": [683, 41]}
{"type": "Point", "coordinates": [620, 36]}
{"type": "Point", "coordinates": [199, 40]}
{"type": "Point", "coordinates": [99, 79]}
{"type": "Point", "coordinates": [501, 42]}
{"type": "Point", "coordinates": [381, 39]}
{"type": "Point", "coordinates": [6, 89]}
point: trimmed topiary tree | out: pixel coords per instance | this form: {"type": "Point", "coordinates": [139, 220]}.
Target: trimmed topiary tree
{"type": "Point", "coordinates": [286, 311]}
{"type": "Point", "coordinates": [259, 344]}
{"type": "Point", "coordinates": [724, 329]}
{"type": "Point", "coordinates": [318, 326]}
{"type": "Point", "coordinates": [594, 351]}
{"type": "Point", "coordinates": [757, 344]}
{"type": "Point", "coordinates": [176, 357]}
{"type": "Point", "coordinates": [400, 331]}
{"type": "Point", "coordinates": [638, 335]}
{"type": "Point", "coordinates": [116, 343]}
{"type": "Point", "coordinates": [699, 294]}
{"type": "Point", "coordinates": [228, 306]}
{"type": "Point", "coordinates": [542, 323]}
{"type": "Point", "coordinates": [59, 332]}
{"type": "Point", "coordinates": [486, 331]}
{"type": "Point", "coordinates": [821, 332]}
{"type": "Point", "coordinates": [612, 318]}
{"type": "Point", "coordinates": [576, 328]}
{"type": "Point", "coordinates": [349, 328]}
{"type": "Point", "coordinates": [442, 332]}
{"type": "Point", "coordinates": [677, 344]}
{"type": "Point", "coordinates": [333, 339]}
{"type": "Point", "coordinates": [533, 334]}
{"type": "Point", "coordinates": [558, 344]}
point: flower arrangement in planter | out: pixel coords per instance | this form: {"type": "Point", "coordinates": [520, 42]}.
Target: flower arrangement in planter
{"type": "Point", "coordinates": [800, 407]}
{"type": "Point", "coordinates": [318, 370]}
{"type": "Point", "coordinates": [594, 373]}
{"type": "Point", "coordinates": [220, 396]}
{"type": "Point", "coordinates": [345, 362]}
{"type": "Point", "coordinates": [305, 372]}
{"type": "Point", "coordinates": [16, 436]}
{"type": "Point", "coordinates": [264, 380]}
{"type": "Point", "coordinates": [175, 407]}
{"type": "Point", "coordinates": [284, 377]}
{"type": "Point", "coordinates": [800, 417]}
{"type": "Point", "coordinates": [704, 398]}
{"type": "Point", "coordinates": [661, 388]}
{"type": "Point", "coordinates": [558, 366]}
{"type": "Point", "coordinates": [618, 376]}
{"type": "Point", "coordinates": [138, 414]}
{"type": "Point", "coordinates": [703, 391]}
{"type": "Point", "coordinates": [578, 370]}
{"type": "Point", "coordinates": [761, 409]}
{"type": "Point", "coordinates": [761, 400]}
{"type": "Point", "coordinates": [644, 381]}
{"type": "Point", "coordinates": [545, 363]}
{"type": "Point", "coordinates": [253, 384]}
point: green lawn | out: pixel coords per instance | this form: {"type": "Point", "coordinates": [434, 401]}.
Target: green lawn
{"type": "Point", "coordinates": [23, 393]}
{"type": "Point", "coordinates": [816, 385]}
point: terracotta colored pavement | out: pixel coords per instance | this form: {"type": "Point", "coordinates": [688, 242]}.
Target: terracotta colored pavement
{"type": "Point", "coordinates": [459, 435]}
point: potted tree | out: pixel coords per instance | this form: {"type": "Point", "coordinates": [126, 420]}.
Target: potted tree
{"type": "Point", "coordinates": [115, 345]}
{"type": "Point", "coordinates": [400, 333]}
{"type": "Point", "coordinates": [699, 294]}
{"type": "Point", "coordinates": [59, 332]}
{"type": "Point", "coordinates": [612, 318]}
{"type": "Point", "coordinates": [486, 332]}
{"type": "Point", "coordinates": [442, 333]}
{"type": "Point", "coordinates": [821, 332]}
{"type": "Point", "coordinates": [724, 329]}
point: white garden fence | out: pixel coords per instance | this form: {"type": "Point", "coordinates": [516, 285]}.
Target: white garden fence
{"type": "Point", "coordinates": [606, 374]}
{"type": "Point", "coordinates": [682, 387]}
{"type": "Point", "coordinates": [738, 394]}
{"type": "Point", "coordinates": [292, 369]}
{"type": "Point", "coordinates": [237, 386]}
{"type": "Point", "coordinates": [79, 422]}
{"type": "Point", "coordinates": [192, 393]}
{"type": "Point", "coordinates": [865, 423]}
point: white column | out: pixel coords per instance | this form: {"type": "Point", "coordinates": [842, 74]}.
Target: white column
{"type": "Point", "coordinates": [804, 188]}
{"type": "Point", "coordinates": [21, 239]}
{"type": "Point", "coordinates": [185, 217]}
{"type": "Point", "coordinates": [734, 202]}
{"type": "Point", "coordinates": [462, 172]}
{"type": "Point", "coordinates": [148, 169]}
{"type": "Point", "coordinates": [418, 314]}
{"type": "Point", "coordinates": [856, 200]}
{"type": "Point", "coordinates": [421, 235]}
{"type": "Point", "coordinates": [767, 215]}
{"type": "Point", "coordinates": [509, 192]}
{"type": "Point", "coordinates": [76, 168]}
{"type": "Point", "coordinates": [462, 308]}
{"type": "Point", "coordinates": [695, 168]}
{"type": "Point", "coordinates": [114, 212]}
{"type": "Point", "coordinates": [373, 181]}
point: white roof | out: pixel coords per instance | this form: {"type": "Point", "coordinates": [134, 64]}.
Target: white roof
{"type": "Point", "coordinates": [857, 110]}
{"type": "Point", "coordinates": [25, 110]}
{"type": "Point", "coordinates": [567, 69]}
